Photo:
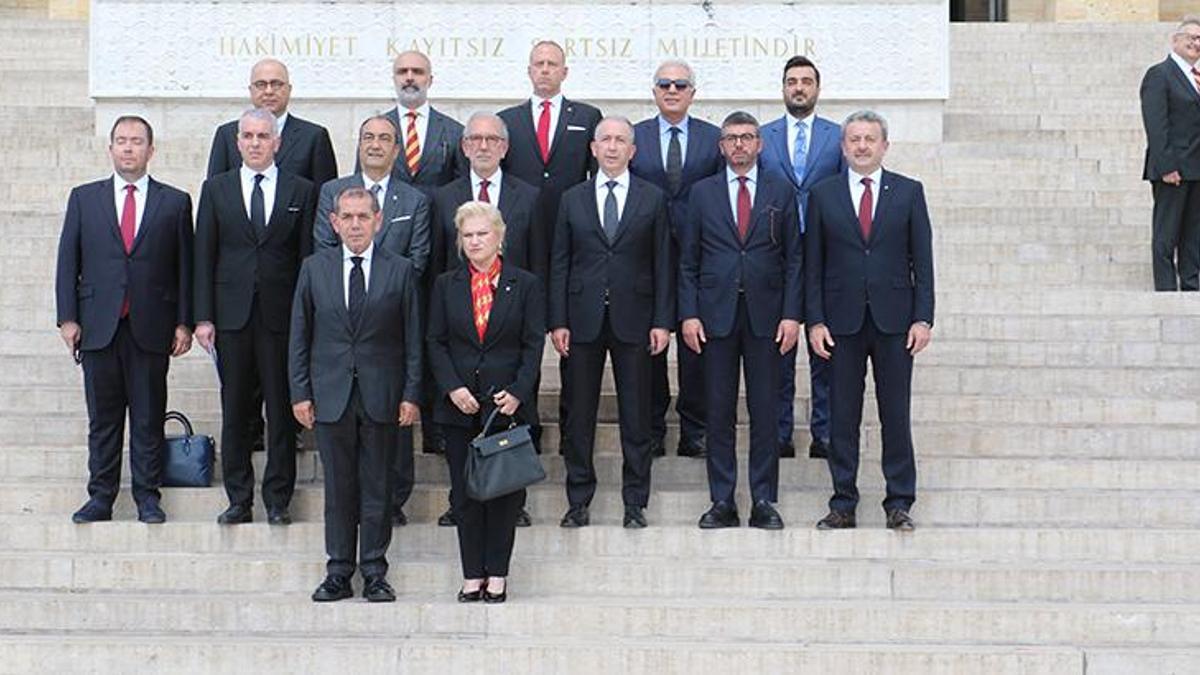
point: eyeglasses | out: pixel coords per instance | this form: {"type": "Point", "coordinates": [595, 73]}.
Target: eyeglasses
{"type": "Point", "coordinates": [263, 85]}
{"type": "Point", "coordinates": [1188, 37]}
{"type": "Point", "coordinates": [734, 139]}
{"type": "Point", "coordinates": [485, 139]}
{"type": "Point", "coordinates": [665, 84]}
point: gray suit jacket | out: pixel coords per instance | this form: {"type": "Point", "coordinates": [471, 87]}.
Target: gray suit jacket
{"type": "Point", "coordinates": [405, 229]}
{"type": "Point", "coordinates": [327, 352]}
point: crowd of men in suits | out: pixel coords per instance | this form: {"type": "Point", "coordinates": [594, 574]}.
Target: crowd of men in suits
{"type": "Point", "coordinates": [746, 241]}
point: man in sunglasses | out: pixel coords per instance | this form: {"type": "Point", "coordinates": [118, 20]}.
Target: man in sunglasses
{"type": "Point", "coordinates": [676, 150]}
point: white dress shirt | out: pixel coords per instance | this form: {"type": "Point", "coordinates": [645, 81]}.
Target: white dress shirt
{"type": "Point", "coordinates": [383, 187]}
{"type": "Point", "coordinates": [348, 265]}
{"type": "Point", "coordinates": [792, 131]}
{"type": "Point", "coordinates": [280, 123]}
{"type": "Point", "coordinates": [857, 189]}
{"type": "Point", "coordinates": [422, 125]}
{"type": "Point", "coordinates": [270, 180]}
{"type": "Point", "coordinates": [752, 185]}
{"type": "Point", "coordinates": [620, 191]}
{"type": "Point", "coordinates": [493, 186]}
{"type": "Point", "coordinates": [535, 106]}
{"type": "Point", "coordinates": [1186, 68]}
{"type": "Point", "coordinates": [139, 198]}
{"type": "Point", "coordinates": [664, 139]}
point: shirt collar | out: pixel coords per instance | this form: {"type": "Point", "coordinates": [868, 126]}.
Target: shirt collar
{"type": "Point", "coordinates": [731, 176]}
{"type": "Point", "coordinates": [622, 180]}
{"type": "Point", "coordinates": [664, 126]}
{"type": "Point", "coordinates": [876, 176]}
{"type": "Point", "coordinates": [555, 102]}
{"type": "Point", "coordinates": [494, 179]}
{"type": "Point", "coordinates": [421, 110]}
{"type": "Point", "coordinates": [1182, 62]}
{"type": "Point", "coordinates": [807, 120]}
{"type": "Point", "coordinates": [382, 182]}
{"type": "Point", "coordinates": [269, 173]}
{"type": "Point", "coordinates": [140, 184]}
{"type": "Point", "coordinates": [347, 254]}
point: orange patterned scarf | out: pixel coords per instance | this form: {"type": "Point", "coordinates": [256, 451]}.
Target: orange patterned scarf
{"type": "Point", "coordinates": [481, 295]}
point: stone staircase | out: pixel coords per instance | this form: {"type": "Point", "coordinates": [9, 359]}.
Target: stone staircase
{"type": "Point", "coordinates": [1056, 421]}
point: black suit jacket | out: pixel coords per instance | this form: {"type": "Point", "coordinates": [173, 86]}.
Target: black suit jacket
{"type": "Point", "coordinates": [893, 271]}
{"type": "Point", "coordinates": [442, 158]}
{"type": "Point", "coordinates": [714, 262]}
{"type": "Point", "coordinates": [327, 352]}
{"type": "Point", "coordinates": [304, 150]}
{"type": "Point", "coordinates": [524, 234]}
{"type": "Point", "coordinates": [406, 220]}
{"type": "Point", "coordinates": [510, 355]}
{"type": "Point", "coordinates": [633, 273]}
{"type": "Point", "coordinates": [234, 263]}
{"type": "Point", "coordinates": [703, 159]}
{"type": "Point", "coordinates": [94, 271]}
{"type": "Point", "coordinates": [1171, 116]}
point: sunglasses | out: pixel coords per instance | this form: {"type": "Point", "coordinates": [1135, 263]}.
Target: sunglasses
{"type": "Point", "coordinates": [665, 84]}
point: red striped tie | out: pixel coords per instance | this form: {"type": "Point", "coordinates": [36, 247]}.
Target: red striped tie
{"type": "Point", "coordinates": [1196, 76]}
{"type": "Point", "coordinates": [128, 220]}
{"type": "Point", "coordinates": [412, 145]}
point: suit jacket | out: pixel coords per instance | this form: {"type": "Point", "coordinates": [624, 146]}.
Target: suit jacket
{"type": "Point", "coordinates": [327, 352]}
{"type": "Point", "coordinates": [524, 234]}
{"type": "Point", "coordinates": [94, 272]}
{"type": "Point", "coordinates": [714, 262]}
{"type": "Point", "coordinates": [703, 159]}
{"type": "Point", "coordinates": [632, 275]}
{"type": "Point", "coordinates": [406, 217]}
{"type": "Point", "coordinates": [508, 358]}
{"type": "Point", "coordinates": [442, 159]}
{"type": "Point", "coordinates": [234, 264]}
{"type": "Point", "coordinates": [1171, 116]}
{"type": "Point", "coordinates": [304, 150]}
{"type": "Point", "coordinates": [893, 271]}
{"type": "Point", "coordinates": [824, 157]}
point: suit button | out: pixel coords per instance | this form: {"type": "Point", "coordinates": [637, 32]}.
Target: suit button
{"type": "Point", "coordinates": [546, 175]}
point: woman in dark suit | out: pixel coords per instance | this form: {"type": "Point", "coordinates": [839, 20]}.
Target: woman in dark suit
{"type": "Point", "coordinates": [486, 335]}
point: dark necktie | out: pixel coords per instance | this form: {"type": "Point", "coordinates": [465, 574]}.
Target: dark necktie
{"type": "Point", "coordinates": [358, 290]}
{"type": "Point", "coordinates": [674, 162]}
{"type": "Point", "coordinates": [258, 212]}
{"type": "Point", "coordinates": [611, 219]}
{"type": "Point", "coordinates": [743, 207]}
{"type": "Point", "coordinates": [483, 193]}
{"type": "Point", "coordinates": [375, 190]}
{"type": "Point", "coordinates": [865, 206]}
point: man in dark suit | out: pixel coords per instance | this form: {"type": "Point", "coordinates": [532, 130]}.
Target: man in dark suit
{"type": "Point", "coordinates": [354, 374]}
{"type": "Point", "coordinates": [869, 286]}
{"type": "Point", "coordinates": [804, 149]}
{"type": "Point", "coordinates": [611, 292]}
{"type": "Point", "coordinates": [739, 298]}
{"type": "Point", "coordinates": [253, 228]}
{"type": "Point", "coordinates": [1171, 115]}
{"type": "Point", "coordinates": [676, 151]}
{"type": "Point", "coordinates": [124, 295]}
{"type": "Point", "coordinates": [405, 232]}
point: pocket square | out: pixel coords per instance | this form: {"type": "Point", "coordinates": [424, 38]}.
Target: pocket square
{"type": "Point", "coordinates": [399, 218]}
{"type": "Point", "coordinates": [574, 127]}
{"type": "Point", "coordinates": [293, 209]}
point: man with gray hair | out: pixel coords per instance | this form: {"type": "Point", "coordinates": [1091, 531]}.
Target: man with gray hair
{"type": "Point", "coordinates": [1170, 96]}
{"type": "Point", "coordinates": [253, 227]}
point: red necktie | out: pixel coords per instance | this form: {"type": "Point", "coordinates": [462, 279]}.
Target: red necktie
{"type": "Point", "coordinates": [128, 218]}
{"type": "Point", "coordinates": [412, 145]}
{"type": "Point", "coordinates": [743, 208]}
{"type": "Point", "coordinates": [483, 193]}
{"type": "Point", "coordinates": [543, 131]}
{"type": "Point", "coordinates": [864, 209]}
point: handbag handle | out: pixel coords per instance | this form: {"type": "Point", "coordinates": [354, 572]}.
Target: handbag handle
{"type": "Point", "coordinates": [488, 423]}
{"type": "Point", "coordinates": [175, 415]}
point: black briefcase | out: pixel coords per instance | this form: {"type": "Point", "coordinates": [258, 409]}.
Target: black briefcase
{"type": "Point", "coordinates": [188, 459]}
{"type": "Point", "coordinates": [501, 463]}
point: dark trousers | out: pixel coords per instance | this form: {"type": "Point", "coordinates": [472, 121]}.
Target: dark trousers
{"type": "Point", "coordinates": [256, 355]}
{"type": "Point", "coordinates": [486, 530]}
{"type": "Point", "coordinates": [631, 370]}
{"type": "Point", "coordinates": [117, 378]}
{"type": "Point", "coordinates": [356, 453]}
{"type": "Point", "coordinates": [1176, 234]}
{"type": "Point", "coordinates": [892, 366]}
{"type": "Point", "coordinates": [759, 360]}
{"type": "Point", "coordinates": [403, 473]}
{"type": "Point", "coordinates": [689, 402]}
{"type": "Point", "coordinates": [818, 370]}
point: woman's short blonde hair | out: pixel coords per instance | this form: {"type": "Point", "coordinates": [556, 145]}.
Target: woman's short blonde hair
{"type": "Point", "coordinates": [478, 210]}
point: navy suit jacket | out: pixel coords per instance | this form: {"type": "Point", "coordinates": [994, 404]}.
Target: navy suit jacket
{"type": "Point", "coordinates": [524, 233]}
{"type": "Point", "coordinates": [94, 272]}
{"type": "Point", "coordinates": [630, 278]}
{"type": "Point", "coordinates": [406, 220]}
{"type": "Point", "coordinates": [1171, 117]}
{"type": "Point", "coordinates": [304, 150]}
{"type": "Point", "coordinates": [824, 157]}
{"type": "Point", "coordinates": [893, 271]}
{"type": "Point", "coordinates": [442, 159]}
{"type": "Point", "coordinates": [327, 352]}
{"type": "Point", "coordinates": [703, 159]}
{"type": "Point", "coordinates": [714, 262]}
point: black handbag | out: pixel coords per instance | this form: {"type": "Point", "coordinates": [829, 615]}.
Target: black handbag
{"type": "Point", "coordinates": [501, 463]}
{"type": "Point", "coordinates": [188, 459]}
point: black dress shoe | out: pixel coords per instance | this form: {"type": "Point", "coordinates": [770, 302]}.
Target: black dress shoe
{"type": "Point", "coordinates": [470, 596]}
{"type": "Point", "coordinates": [278, 515]}
{"type": "Point", "coordinates": [92, 512]}
{"type": "Point", "coordinates": [523, 519]}
{"type": "Point", "coordinates": [690, 449]}
{"type": "Point", "coordinates": [447, 519]}
{"type": "Point", "coordinates": [837, 520]}
{"type": "Point", "coordinates": [765, 517]}
{"type": "Point", "coordinates": [236, 514]}
{"type": "Point", "coordinates": [819, 448]}
{"type": "Point", "coordinates": [398, 518]}
{"type": "Point", "coordinates": [151, 513]}
{"type": "Point", "coordinates": [722, 514]}
{"type": "Point", "coordinates": [495, 598]}
{"type": "Point", "coordinates": [898, 519]}
{"type": "Point", "coordinates": [576, 516]}
{"type": "Point", "coordinates": [635, 518]}
{"type": "Point", "coordinates": [657, 449]}
{"type": "Point", "coordinates": [787, 449]}
{"type": "Point", "coordinates": [334, 588]}
{"type": "Point", "coordinates": [377, 589]}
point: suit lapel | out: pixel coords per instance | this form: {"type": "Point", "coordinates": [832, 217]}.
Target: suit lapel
{"type": "Point", "coordinates": [525, 126]}
{"type": "Point", "coordinates": [381, 277]}
{"type": "Point", "coordinates": [560, 130]}
{"type": "Point", "coordinates": [459, 311]}
{"type": "Point", "coordinates": [1181, 78]}
{"type": "Point", "coordinates": [283, 197]}
{"type": "Point", "coordinates": [114, 219]}
{"type": "Point", "coordinates": [287, 141]}
{"type": "Point", "coordinates": [502, 300]}
{"type": "Point", "coordinates": [593, 212]}
{"type": "Point", "coordinates": [633, 199]}
{"type": "Point", "coordinates": [779, 139]}
{"type": "Point", "coordinates": [883, 203]}
{"type": "Point", "coordinates": [820, 137]}
{"type": "Point", "coordinates": [153, 198]}
{"type": "Point", "coordinates": [653, 149]}
{"type": "Point", "coordinates": [334, 279]}
{"type": "Point", "coordinates": [391, 206]}
{"type": "Point", "coordinates": [851, 209]}
{"type": "Point", "coordinates": [433, 139]}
